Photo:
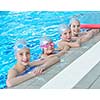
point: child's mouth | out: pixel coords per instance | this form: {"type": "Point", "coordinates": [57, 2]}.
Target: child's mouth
{"type": "Point", "coordinates": [25, 61]}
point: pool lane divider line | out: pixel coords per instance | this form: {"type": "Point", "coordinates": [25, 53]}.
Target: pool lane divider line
{"type": "Point", "coordinates": [73, 73]}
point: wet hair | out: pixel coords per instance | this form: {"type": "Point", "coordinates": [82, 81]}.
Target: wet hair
{"type": "Point", "coordinates": [19, 45]}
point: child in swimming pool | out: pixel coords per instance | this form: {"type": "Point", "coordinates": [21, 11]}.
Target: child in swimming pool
{"type": "Point", "coordinates": [66, 38]}
{"type": "Point", "coordinates": [22, 54]}
{"type": "Point", "coordinates": [75, 31]}
{"type": "Point", "coordinates": [48, 49]}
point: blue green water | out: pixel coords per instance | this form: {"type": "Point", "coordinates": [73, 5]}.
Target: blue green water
{"type": "Point", "coordinates": [31, 26]}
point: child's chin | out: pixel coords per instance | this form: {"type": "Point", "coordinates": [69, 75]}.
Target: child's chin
{"type": "Point", "coordinates": [50, 52]}
{"type": "Point", "coordinates": [25, 64]}
{"type": "Point", "coordinates": [68, 40]}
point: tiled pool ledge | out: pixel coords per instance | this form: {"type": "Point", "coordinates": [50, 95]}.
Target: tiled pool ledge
{"type": "Point", "coordinates": [72, 72]}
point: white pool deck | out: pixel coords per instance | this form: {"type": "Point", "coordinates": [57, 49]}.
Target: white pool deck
{"type": "Point", "coordinates": [78, 69]}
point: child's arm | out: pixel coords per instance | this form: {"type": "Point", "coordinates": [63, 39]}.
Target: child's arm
{"type": "Point", "coordinates": [50, 61]}
{"type": "Point", "coordinates": [12, 80]}
{"type": "Point", "coordinates": [63, 51]}
{"type": "Point", "coordinates": [38, 62]}
{"type": "Point", "coordinates": [89, 35]}
{"type": "Point", "coordinates": [74, 44]}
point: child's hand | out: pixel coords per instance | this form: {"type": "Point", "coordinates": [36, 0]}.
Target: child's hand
{"type": "Point", "coordinates": [74, 38]}
{"type": "Point", "coordinates": [38, 70]}
{"type": "Point", "coordinates": [79, 40]}
{"type": "Point", "coordinates": [75, 34]}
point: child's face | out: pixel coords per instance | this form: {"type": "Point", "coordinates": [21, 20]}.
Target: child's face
{"type": "Point", "coordinates": [75, 27]}
{"type": "Point", "coordinates": [66, 35]}
{"type": "Point", "coordinates": [48, 48]}
{"type": "Point", "coordinates": [23, 56]}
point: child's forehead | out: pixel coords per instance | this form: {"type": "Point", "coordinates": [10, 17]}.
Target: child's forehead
{"type": "Point", "coordinates": [75, 22]}
{"type": "Point", "coordinates": [68, 30]}
{"type": "Point", "coordinates": [24, 50]}
{"type": "Point", "coordinates": [50, 42]}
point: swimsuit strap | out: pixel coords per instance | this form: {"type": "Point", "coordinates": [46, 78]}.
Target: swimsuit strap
{"type": "Point", "coordinates": [56, 51]}
{"type": "Point", "coordinates": [27, 66]}
{"type": "Point", "coordinates": [29, 69]}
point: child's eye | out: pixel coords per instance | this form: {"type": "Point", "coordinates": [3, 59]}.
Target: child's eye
{"type": "Point", "coordinates": [78, 25]}
{"type": "Point", "coordinates": [74, 26]}
{"type": "Point", "coordinates": [65, 33]}
{"type": "Point", "coordinates": [46, 43]}
{"type": "Point", "coordinates": [21, 54]}
{"type": "Point", "coordinates": [27, 53]}
{"type": "Point", "coordinates": [52, 44]}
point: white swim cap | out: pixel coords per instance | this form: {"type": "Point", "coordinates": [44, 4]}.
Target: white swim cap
{"type": "Point", "coordinates": [44, 40]}
{"type": "Point", "coordinates": [20, 44]}
{"type": "Point", "coordinates": [72, 20]}
{"type": "Point", "coordinates": [62, 28]}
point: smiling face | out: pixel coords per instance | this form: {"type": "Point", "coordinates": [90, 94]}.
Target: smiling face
{"type": "Point", "coordinates": [75, 27]}
{"type": "Point", "coordinates": [23, 56]}
{"type": "Point", "coordinates": [66, 35]}
{"type": "Point", "coordinates": [48, 48]}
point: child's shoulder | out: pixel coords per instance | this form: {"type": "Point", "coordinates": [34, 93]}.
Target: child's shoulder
{"type": "Point", "coordinates": [60, 41]}
{"type": "Point", "coordinates": [42, 56]}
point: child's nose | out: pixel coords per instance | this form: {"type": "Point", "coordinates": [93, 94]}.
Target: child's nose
{"type": "Point", "coordinates": [50, 46]}
{"type": "Point", "coordinates": [25, 56]}
{"type": "Point", "coordinates": [68, 35]}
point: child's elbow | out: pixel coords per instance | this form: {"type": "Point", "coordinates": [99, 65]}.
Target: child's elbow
{"type": "Point", "coordinates": [8, 83]}
{"type": "Point", "coordinates": [56, 59]}
{"type": "Point", "coordinates": [78, 45]}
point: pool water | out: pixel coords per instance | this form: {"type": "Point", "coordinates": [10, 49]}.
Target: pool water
{"type": "Point", "coordinates": [31, 26]}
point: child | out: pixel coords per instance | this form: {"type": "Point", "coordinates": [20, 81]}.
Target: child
{"type": "Point", "coordinates": [48, 49]}
{"type": "Point", "coordinates": [66, 38]}
{"type": "Point", "coordinates": [17, 74]}
{"type": "Point", "coordinates": [75, 31]}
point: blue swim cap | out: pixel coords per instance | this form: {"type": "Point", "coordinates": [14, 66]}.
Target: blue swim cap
{"type": "Point", "coordinates": [20, 44]}
{"type": "Point", "coordinates": [62, 28]}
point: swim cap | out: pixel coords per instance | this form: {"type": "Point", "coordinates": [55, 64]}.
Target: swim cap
{"type": "Point", "coordinates": [44, 40]}
{"type": "Point", "coordinates": [20, 44]}
{"type": "Point", "coordinates": [72, 20]}
{"type": "Point", "coordinates": [62, 28]}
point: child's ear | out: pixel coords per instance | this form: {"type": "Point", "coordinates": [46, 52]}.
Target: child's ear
{"type": "Point", "coordinates": [69, 25]}
{"type": "Point", "coordinates": [60, 36]}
